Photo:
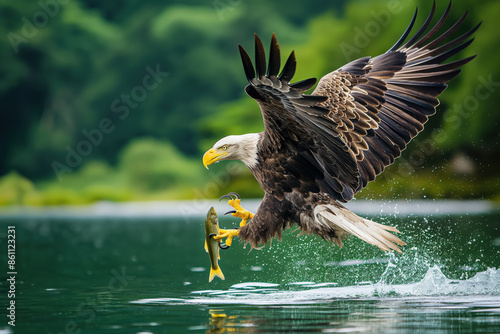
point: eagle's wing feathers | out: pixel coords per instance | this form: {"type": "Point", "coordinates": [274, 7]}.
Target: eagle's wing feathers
{"type": "Point", "coordinates": [379, 104]}
{"type": "Point", "coordinates": [294, 121]}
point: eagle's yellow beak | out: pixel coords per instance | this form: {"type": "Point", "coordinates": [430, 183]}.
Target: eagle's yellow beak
{"type": "Point", "coordinates": [211, 156]}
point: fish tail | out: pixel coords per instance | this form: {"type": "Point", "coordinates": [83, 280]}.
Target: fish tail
{"type": "Point", "coordinates": [215, 272]}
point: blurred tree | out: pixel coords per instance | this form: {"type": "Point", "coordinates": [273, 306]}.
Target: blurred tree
{"type": "Point", "coordinates": [170, 70]}
{"type": "Point", "coordinates": [69, 65]}
{"type": "Point", "coordinates": [152, 165]}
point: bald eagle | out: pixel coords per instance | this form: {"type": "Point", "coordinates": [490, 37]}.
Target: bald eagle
{"type": "Point", "coordinates": [317, 151]}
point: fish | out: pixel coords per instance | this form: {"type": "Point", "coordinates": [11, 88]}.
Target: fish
{"type": "Point", "coordinates": [212, 245]}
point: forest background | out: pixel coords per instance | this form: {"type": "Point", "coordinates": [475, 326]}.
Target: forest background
{"type": "Point", "coordinates": [118, 100]}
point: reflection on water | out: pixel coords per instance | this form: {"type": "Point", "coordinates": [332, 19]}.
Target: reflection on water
{"type": "Point", "coordinates": [149, 275]}
{"type": "Point", "coordinates": [222, 323]}
{"type": "Point", "coordinates": [388, 315]}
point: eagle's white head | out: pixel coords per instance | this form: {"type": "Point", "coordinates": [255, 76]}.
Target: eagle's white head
{"type": "Point", "coordinates": [242, 147]}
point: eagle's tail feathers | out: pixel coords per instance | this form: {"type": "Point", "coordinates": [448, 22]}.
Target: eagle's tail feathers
{"type": "Point", "coordinates": [334, 222]}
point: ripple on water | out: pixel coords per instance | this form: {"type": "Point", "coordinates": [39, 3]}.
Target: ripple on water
{"type": "Point", "coordinates": [450, 293]}
{"type": "Point", "coordinates": [254, 285]}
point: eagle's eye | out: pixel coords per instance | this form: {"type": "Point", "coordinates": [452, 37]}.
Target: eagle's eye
{"type": "Point", "coordinates": [224, 147]}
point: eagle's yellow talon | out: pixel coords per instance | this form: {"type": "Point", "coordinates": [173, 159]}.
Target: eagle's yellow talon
{"type": "Point", "coordinates": [229, 234]}
{"type": "Point", "coordinates": [245, 215]}
{"type": "Point", "coordinates": [239, 212]}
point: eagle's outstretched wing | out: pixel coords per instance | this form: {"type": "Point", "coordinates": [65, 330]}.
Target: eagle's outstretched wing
{"type": "Point", "coordinates": [379, 104]}
{"type": "Point", "coordinates": [321, 161]}
{"type": "Point", "coordinates": [360, 117]}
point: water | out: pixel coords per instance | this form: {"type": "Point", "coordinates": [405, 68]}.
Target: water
{"type": "Point", "coordinates": [130, 274]}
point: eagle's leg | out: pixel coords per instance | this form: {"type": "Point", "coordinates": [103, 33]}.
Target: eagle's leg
{"type": "Point", "coordinates": [229, 234]}
{"type": "Point", "coordinates": [239, 212]}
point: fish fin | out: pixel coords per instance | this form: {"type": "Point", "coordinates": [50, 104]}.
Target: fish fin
{"type": "Point", "coordinates": [206, 246]}
{"type": "Point", "coordinates": [218, 256]}
{"type": "Point", "coordinates": [216, 272]}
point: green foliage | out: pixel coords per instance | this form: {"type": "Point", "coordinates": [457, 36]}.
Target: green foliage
{"type": "Point", "coordinates": [16, 190]}
{"type": "Point", "coordinates": [148, 169]}
{"type": "Point", "coordinates": [472, 119]}
{"type": "Point", "coordinates": [236, 117]}
{"type": "Point", "coordinates": [434, 182]}
{"type": "Point", "coordinates": [81, 65]}
{"type": "Point", "coordinates": [151, 165]}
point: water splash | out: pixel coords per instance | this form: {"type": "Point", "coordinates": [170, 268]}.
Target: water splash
{"type": "Point", "coordinates": [410, 267]}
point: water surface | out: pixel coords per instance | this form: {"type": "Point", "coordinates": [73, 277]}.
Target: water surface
{"type": "Point", "coordinates": [137, 274]}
